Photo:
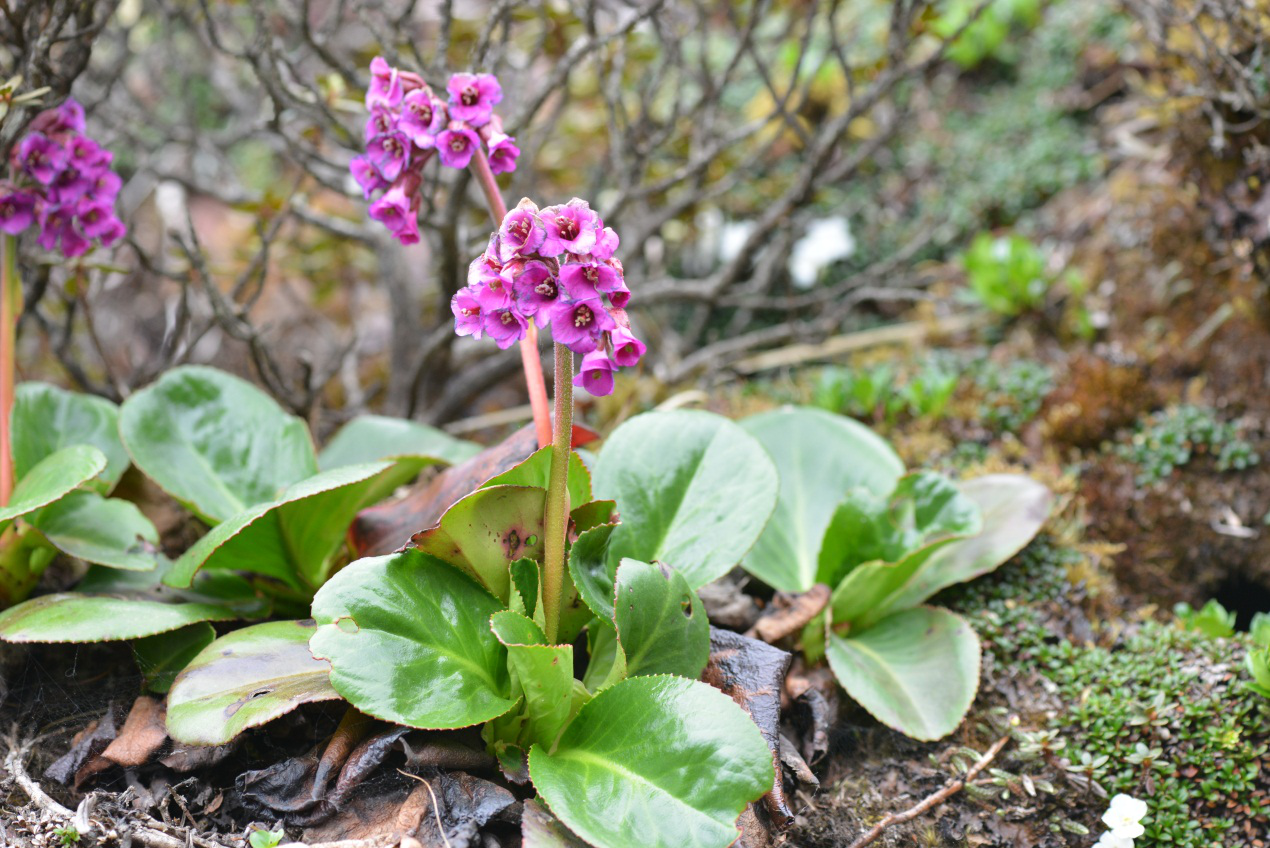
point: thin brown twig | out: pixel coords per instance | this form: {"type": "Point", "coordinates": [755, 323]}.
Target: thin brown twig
{"type": "Point", "coordinates": [952, 788]}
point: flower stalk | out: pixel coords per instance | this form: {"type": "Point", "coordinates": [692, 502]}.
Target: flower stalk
{"type": "Point", "coordinates": [10, 311]}
{"type": "Point", "coordinates": [556, 513]}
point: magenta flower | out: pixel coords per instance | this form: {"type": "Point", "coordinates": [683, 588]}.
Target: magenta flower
{"type": "Point", "coordinates": [468, 317]}
{"type": "Point", "coordinates": [366, 175]}
{"type": "Point", "coordinates": [422, 117]}
{"type": "Point", "coordinates": [393, 209]}
{"type": "Point", "coordinates": [70, 115]}
{"type": "Point", "coordinates": [385, 85]}
{"type": "Point", "coordinates": [114, 231]}
{"type": "Point", "coordinates": [584, 280]}
{"type": "Point", "coordinates": [105, 186]}
{"type": "Point", "coordinates": [502, 153]}
{"type": "Point", "coordinates": [596, 374]}
{"type": "Point", "coordinates": [472, 97]}
{"type": "Point", "coordinates": [41, 157]}
{"type": "Point", "coordinates": [17, 212]}
{"type": "Point", "coordinates": [579, 324]}
{"type": "Point", "coordinates": [382, 121]}
{"type": "Point", "coordinates": [627, 350]}
{"type": "Point", "coordinates": [536, 290]}
{"type": "Point", "coordinates": [505, 325]}
{"type": "Point", "coordinates": [605, 244]}
{"type": "Point", "coordinates": [96, 219]}
{"type": "Point", "coordinates": [87, 155]}
{"type": "Point", "coordinates": [619, 296]}
{"type": "Point", "coordinates": [522, 232]}
{"type": "Point", "coordinates": [571, 228]}
{"type": "Point", "coordinates": [389, 153]}
{"type": "Point", "coordinates": [456, 145]}
{"type": "Point", "coordinates": [73, 244]}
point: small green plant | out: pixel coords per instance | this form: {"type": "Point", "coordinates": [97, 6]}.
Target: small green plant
{"type": "Point", "coordinates": [261, 838]}
{"type": "Point", "coordinates": [878, 392]}
{"type": "Point", "coordinates": [1012, 393]}
{"type": "Point", "coordinates": [1171, 439]}
{"type": "Point", "coordinates": [1257, 660]}
{"type": "Point", "coordinates": [885, 542]}
{"type": "Point", "coordinates": [1006, 275]}
{"type": "Point", "coordinates": [989, 35]}
{"type": "Point", "coordinates": [68, 836]}
{"type": "Point", "coordinates": [1212, 619]}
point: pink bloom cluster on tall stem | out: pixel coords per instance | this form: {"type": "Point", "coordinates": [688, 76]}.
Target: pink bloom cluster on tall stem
{"type": "Point", "coordinates": [409, 124]}
{"type": "Point", "coordinates": [555, 266]}
{"type": "Point", "coordinates": [62, 181]}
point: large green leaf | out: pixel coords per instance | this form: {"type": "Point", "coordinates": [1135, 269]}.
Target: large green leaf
{"type": "Point", "coordinates": [409, 641]}
{"type": "Point", "coordinates": [693, 490]}
{"type": "Point", "coordinates": [52, 478]}
{"type": "Point", "coordinates": [1014, 508]}
{"type": "Point", "coordinates": [214, 442]}
{"type": "Point", "coordinates": [162, 657]}
{"type": "Point", "coordinates": [593, 572]}
{"type": "Point", "coordinates": [292, 539]}
{"type": "Point", "coordinates": [47, 419]}
{"type": "Point", "coordinates": [542, 674]}
{"type": "Point", "coordinates": [217, 588]}
{"type": "Point", "coordinates": [916, 670]}
{"type": "Point", "coordinates": [540, 829]}
{"type": "Point", "coordinates": [486, 532]}
{"type": "Point", "coordinates": [536, 471]}
{"type": "Point", "coordinates": [661, 623]}
{"type": "Point", "coordinates": [76, 617]}
{"type": "Point", "coordinates": [244, 679]}
{"type": "Point", "coordinates": [655, 761]}
{"type": "Point", "coordinates": [370, 438]}
{"type": "Point", "coordinates": [821, 457]}
{"type": "Point", "coordinates": [106, 531]}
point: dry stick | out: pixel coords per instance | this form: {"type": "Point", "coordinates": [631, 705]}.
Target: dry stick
{"type": "Point", "coordinates": [939, 797]}
{"type": "Point", "coordinates": [529, 344]}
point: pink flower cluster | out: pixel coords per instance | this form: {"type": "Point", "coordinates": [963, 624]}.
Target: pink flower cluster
{"type": "Point", "coordinates": [61, 179]}
{"type": "Point", "coordinates": [554, 266]}
{"type": "Point", "coordinates": [408, 124]}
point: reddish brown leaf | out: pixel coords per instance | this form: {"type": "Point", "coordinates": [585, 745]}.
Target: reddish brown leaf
{"type": "Point", "coordinates": [789, 613]}
{"type": "Point", "coordinates": [142, 736]}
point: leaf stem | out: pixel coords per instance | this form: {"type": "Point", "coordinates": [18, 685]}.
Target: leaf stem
{"type": "Point", "coordinates": [10, 310]}
{"type": "Point", "coordinates": [529, 357]}
{"type": "Point", "coordinates": [556, 517]}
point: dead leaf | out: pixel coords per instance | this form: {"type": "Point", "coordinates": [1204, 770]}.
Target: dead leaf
{"type": "Point", "coordinates": [143, 734]}
{"type": "Point", "coordinates": [789, 613]}
{"type": "Point", "coordinates": [87, 744]}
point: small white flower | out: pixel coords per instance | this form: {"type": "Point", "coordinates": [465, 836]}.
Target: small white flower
{"type": "Point", "coordinates": [1110, 840]}
{"type": "Point", "coordinates": [1124, 817]}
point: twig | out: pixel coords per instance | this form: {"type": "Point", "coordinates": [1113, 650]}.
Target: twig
{"type": "Point", "coordinates": [436, 809]}
{"type": "Point", "coordinates": [939, 797]}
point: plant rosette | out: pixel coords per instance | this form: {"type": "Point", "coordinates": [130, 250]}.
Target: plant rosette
{"type": "Point", "coordinates": [886, 542]}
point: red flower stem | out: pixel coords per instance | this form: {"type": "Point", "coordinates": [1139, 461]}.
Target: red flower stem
{"type": "Point", "coordinates": [529, 344]}
{"type": "Point", "coordinates": [556, 513]}
{"type": "Point", "coordinates": [10, 309]}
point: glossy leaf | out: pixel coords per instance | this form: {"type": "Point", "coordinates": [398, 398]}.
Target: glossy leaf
{"type": "Point", "coordinates": [526, 589]}
{"type": "Point", "coordinates": [655, 761]}
{"type": "Point", "coordinates": [540, 673]}
{"type": "Point", "coordinates": [106, 531]}
{"type": "Point", "coordinates": [606, 662]}
{"type": "Point", "coordinates": [214, 442]}
{"type": "Point", "coordinates": [244, 679]}
{"type": "Point", "coordinates": [536, 471]}
{"type": "Point", "coordinates": [593, 572]}
{"type": "Point", "coordinates": [916, 670]}
{"type": "Point", "coordinates": [76, 617]}
{"type": "Point", "coordinates": [540, 829]}
{"type": "Point", "coordinates": [485, 532]}
{"type": "Point", "coordinates": [162, 657]}
{"type": "Point", "coordinates": [661, 623]}
{"type": "Point", "coordinates": [693, 489]}
{"type": "Point", "coordinates": [1013, 509]}
{"type": "Point", "coordinates": [292, 539]}
{"type": "Point", "coordinates": [53, 478]}
{"type": "Point", "coordinates": [217, 588]}
{"type": "Point", "coordinates": [47, 419]}
{"type": "Point", "coordinates": [409, 641]}
{"type": "Point", "coordinates": [821, 457]}
{"type": "Point", "coordinates": [371, 438]}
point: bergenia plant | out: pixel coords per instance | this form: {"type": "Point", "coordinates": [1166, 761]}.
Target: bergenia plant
{"type": "Point", "coordinates": [885, 542]}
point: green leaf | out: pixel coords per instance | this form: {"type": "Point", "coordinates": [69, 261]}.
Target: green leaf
{"type": "Point", "coordinates": [370, 438]}
{"type": "Point", "coordinates": [106, 531]}
{"type": "Point", "coordinates": [661, 623]}
{"type": "Point", "coordinates": [486, 532]}
{"type": "Point", "coordinates": [162, 657]}
{"type": "Point", "coordinates": [693, 489]}
{"type": "Point", "coordinates": [527, 589]}
{"type": "Point", "coordinates": [217, 588]}
{"type": "Point", "coordinates": [293, 539]}
{"type": "Point", "coordinates": [409, 641]}
{"type": "Point", "coordinates": [593, 572]}
{"type": "Point", "coordinates": [47, 419]}
{"type": "Point", "coordinates": [214, 442]}
{"type": "Point", "coordinates": [536, 471]}
{"type": "Point", "coordinates": [244, 679]}
{"type": "Point", "coordinates": [916, 670]}
{"type": "Point", "coordinates": [540, 829]}
{"type": "Point", "coordinates": [1013, 510]}
{"type": "Point", "coordinates": [655, 761]}
{"type": "Point", "coordinates": [821, 457]}
{"type": "Point", "coordinates": [76, 617]}
{"type": "Point", "coordinates": [606, 663]}
{"type": "Point", "coordinates": [541, 673]}
{"type": "Point", "coordinates": [53, 478]}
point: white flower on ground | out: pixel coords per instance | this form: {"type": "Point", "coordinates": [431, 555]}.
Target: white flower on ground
{"type": "Point", "coordinates": [1110, 840]}
{"type": "Point", "coordinates": [1124, 817]}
